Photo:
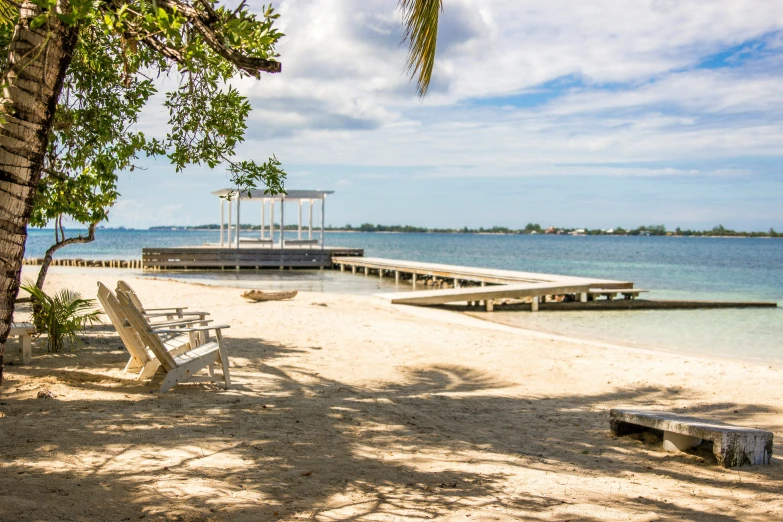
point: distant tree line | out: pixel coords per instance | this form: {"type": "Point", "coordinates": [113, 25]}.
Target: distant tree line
{"type": "Point", "coordinates": [530, 228]}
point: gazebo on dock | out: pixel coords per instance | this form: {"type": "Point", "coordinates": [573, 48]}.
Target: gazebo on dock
{"type": "Point", "coordinates": [303, 248]}
{"type": "Point", "coordinates": [230, 236]}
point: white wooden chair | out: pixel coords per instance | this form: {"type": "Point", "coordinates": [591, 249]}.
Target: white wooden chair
{"type": "Point", "coordinates": [183, 367]}
{"type": "Point", "coordinates": [142, 360]}
{"type": "Point", "coordinates": [170, 313]}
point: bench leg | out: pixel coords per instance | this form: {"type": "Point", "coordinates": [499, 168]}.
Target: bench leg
{"type": "Point", "coordinates": [27, 348]}
{"type": "Point", "coordinates": [620, 428]}
{"type": "Point", "coordinates": [675, 442]}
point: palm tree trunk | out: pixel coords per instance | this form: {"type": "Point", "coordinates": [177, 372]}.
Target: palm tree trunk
{"type": "Point", "coordinates": [37, 63]}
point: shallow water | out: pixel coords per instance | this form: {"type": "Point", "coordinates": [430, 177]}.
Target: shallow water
{"type": "Point", "coordinates": [671, 268]}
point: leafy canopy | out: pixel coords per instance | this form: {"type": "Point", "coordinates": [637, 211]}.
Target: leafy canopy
{"type": "Point", "coordinates": [122, 49]}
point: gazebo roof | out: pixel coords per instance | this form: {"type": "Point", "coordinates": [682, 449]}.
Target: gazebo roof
{"type": "Point", "coordinates": [290, 194]}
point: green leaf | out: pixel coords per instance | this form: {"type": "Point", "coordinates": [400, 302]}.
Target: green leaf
{"type": "Point", "coordinates": [39, 20]}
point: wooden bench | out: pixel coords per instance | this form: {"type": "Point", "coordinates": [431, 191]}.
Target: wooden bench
{"type": "Point", "coordinates": [256, 240]}
{"type": "Point", "coordinates": [24, 331]}
{"type": "Point", "coordinates": [610, 293]}
{"type": "Point", "coordinates": [732, 445]}
{"type": "Point", "coordinates": [301, 241]}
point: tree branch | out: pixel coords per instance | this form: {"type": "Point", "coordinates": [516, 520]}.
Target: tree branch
{"type": "Point", "coordinates": [203, 22]}
{"type": "Point", "coordinates": [156, 45]}
{"type": "Point", "coordinates": [47, 260]}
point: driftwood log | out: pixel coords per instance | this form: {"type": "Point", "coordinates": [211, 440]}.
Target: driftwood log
{"type": "Point", "coordinates": [258, 295]}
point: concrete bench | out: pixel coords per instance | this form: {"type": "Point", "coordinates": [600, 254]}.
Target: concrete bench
{"type": "Point", "coordinates": [732, 445]}
{"type": "Point", "coordinates": [24, 331]}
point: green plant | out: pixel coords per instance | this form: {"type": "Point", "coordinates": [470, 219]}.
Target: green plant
{"type": "Point", "coordinates": [61, 316]}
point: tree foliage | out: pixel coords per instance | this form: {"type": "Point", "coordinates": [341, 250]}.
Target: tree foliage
{"type": "Point", "coordinates": [123, 48]}
{"type": "Point", "coordinates": [110, 80]}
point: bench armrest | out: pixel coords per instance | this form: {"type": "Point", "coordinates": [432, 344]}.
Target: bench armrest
{"type": "Point", "coordinates": [174, 312]}
{"type": "Point", "coordinates": [175, 317]}
{"type": "Point", "coordinates": [179, 322]}
{"type": "Point", "coordinates": [193, 329]}
{"type": "Point", "coordinates": [177, 308]}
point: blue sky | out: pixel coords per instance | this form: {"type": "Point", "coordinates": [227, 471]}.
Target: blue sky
{"type": "Point", "coordinates": [593, 115]}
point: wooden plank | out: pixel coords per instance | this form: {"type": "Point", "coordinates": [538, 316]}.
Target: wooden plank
{"type": "Point", "coordinates": [453, 295]}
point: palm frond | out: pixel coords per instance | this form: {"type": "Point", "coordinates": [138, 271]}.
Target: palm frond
{"type": "Point", "coordinates": [61, 315]}
{"type": "Point", "coordinates": [421, 33]}
{"type": "Point", "coordinates": [9, 12]}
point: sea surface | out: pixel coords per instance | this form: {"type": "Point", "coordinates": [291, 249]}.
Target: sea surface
{"type": "Point", "coordinates": [670, 267]}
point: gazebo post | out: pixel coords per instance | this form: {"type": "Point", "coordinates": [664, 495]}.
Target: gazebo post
{"type": "Point", "coordinates": [239, 199]}
{"type": "Point", "coordinates": [230, 212]}
{"type": "Point", "coordinates": [282, 222]}
{"type": "Point", "coordinates": [272, 221]}
{"type": "Point", "coordinates": [263, 219]}
{"type": "Point", "coordinates": [299, 229]}
{"type": "Point", "coordinates": [221, 222]}
{"type": "Point", "coordinates": [323, 219]}
{"type": "Point", "coordinates": [310, 216]}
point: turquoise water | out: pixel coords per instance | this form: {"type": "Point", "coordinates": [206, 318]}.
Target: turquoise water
{"type": "Point", "coordinates": [671, 268]}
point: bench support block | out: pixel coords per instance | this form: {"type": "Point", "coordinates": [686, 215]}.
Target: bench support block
{"type": "Point", "coordinates": [675, 442]}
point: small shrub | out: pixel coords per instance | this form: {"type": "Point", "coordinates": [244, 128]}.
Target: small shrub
{"type": "Point", "coordinates": [61, 316]}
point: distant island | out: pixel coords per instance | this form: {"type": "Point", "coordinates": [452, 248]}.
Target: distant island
{"type": "Point", "coordinates": [530, 228]}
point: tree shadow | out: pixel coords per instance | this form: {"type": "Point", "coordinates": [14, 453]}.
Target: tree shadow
{"type": "Point", "coordinates": [285, 444]}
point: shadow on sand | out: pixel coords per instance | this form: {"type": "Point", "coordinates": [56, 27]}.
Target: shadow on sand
{"type": "Point", "coordinates": [292, 444]}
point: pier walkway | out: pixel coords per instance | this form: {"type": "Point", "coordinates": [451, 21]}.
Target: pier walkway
{"type": "Point", "coordinates": [505, 283]}
{"type": "Point", "coordinates": [464, 273]}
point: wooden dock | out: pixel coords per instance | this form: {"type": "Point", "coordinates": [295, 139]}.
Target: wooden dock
{"type": "Point", "coordinates": [487, 294]}
{"type": "Point", "coordinates": [505, 283]}
{"type": "Point", "coordinates": [242, 258]}
{"type": "Point", "coordinates": [396, 267]}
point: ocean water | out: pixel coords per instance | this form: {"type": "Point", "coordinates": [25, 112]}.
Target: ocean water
{"type": "Point", "coordinates": [671, 268]}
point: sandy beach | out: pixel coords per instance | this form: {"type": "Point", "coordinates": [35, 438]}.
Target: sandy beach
{"type": "Point", "coordinates": [347, 408]}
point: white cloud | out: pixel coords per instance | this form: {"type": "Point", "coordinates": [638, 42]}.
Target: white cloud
{"type": "Point", "coordinates": [614, 90]}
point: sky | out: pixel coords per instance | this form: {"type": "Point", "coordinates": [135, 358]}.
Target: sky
{"type": "Point", "coordinates": [576, 114]}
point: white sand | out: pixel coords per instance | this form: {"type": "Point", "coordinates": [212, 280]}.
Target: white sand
{"type": "Point", "coordinates": [358, 410]}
